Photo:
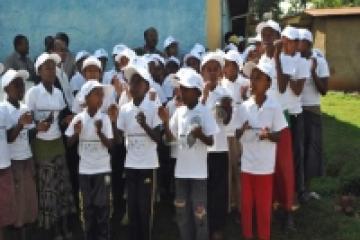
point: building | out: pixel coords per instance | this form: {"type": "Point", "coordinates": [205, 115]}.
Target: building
{"type": "Point", "coordinates": [336, 33]}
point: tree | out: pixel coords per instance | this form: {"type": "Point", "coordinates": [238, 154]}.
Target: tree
{"type": "Point", "coordinates": [334, 3]}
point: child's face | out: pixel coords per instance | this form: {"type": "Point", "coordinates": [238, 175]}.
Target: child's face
{"type": "Point", "coordinates": [189, 95]}
{"type": "Point", "coordinates": [259, 82]}
{"type": "Point", "coordinates": [304, 46]}
{"type": "Point", "coordinates": [159, 73]}
{"type": "Point", "coordinates": [92, 72]}
{"type": "Point", "coordinates": [172, 50]}
{"type": "Point", "coordinates": [47, 72]}
{"type": "Point", "coordinates": [138, 86]}
{"type": "Point", "coordinates": [212, 71]}
{"type": "Point", "coordinates": [124, 61]}
{"type": "Point", "coordinates": [194, 63]}
{"type": "Point", "coordinates": [171, 67]}
{"type": "Point", "coordinates": [16, 89]}
{"type": "Point", "coordinates": [289, 46]}
{"type": "Point", "coordinates": [95, 99]}
{"type": "Point", "coordinates": [269, 36]}
{"type": "Point", "coordinates": [231, 70]}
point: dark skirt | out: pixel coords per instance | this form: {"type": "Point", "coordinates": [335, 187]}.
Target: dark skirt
{"type": "Point", "coordinates": [25, 192]}
{"type": "Point", "coordinates": [53, 181]}
{"type": "Point", "coordinates": [7, 198]}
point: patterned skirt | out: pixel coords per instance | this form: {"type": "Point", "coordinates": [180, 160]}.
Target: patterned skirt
{"type": "Point", "coordinates": [53, 181]}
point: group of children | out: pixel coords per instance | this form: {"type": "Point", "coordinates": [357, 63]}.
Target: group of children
{"type": "Point", "coordinates": [220, 129]}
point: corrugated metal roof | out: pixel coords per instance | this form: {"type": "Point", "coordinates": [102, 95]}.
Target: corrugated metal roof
{"type": "Point", "coordinates": [333, 11]}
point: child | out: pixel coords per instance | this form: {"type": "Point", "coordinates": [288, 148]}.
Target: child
{"type": "Point", "coordinates": [171, 47]}
{"type": "Point", "coordinates": [139, 123]}
{"type": "Point", "coordinates": [54, 189]}
{"type": "Point", "coordinates": [7, 186]}
{"type": "Point", "coordinates": [103, 56]}
{"type": "Point", "coordinates": [193, 126]}
{"type": "Point", "coordinates": [93, 130]}
{"type": "Point", "coordinates": [78, 79]}
{"type": "Point", "coordinates": [217, 99]}
{"type": "Point", "coordinates": [259, 122]}
{"type": "Point", "coordinates": [20, 151]}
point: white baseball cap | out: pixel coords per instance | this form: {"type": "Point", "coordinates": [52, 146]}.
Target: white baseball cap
{"type": "Point", "coordinates": [157, 59]}
{"type": "Point", "coordinates": [92, 61]}
{"type": "Point", "coordinates": [45, 57]}
{"type": "Point", "coordinates": [173, 59]}
{"type": "Point", "coordinates": [198, 48]}
{"type": "Point", "coordinates": [11, 75]}
{"type": "Point", "coordinates": [217, 55]}
{"type": "Point", "coordinates": [87, 88]}
{"type": "Point", "coordinates": [118, 48]}
{"type": "Point", "coordinates": [234, 56]}
{"type": "Point", "coordinates": [126, 52]}
{"type": "Point", "coordinates": [194, 54]}
{"type": "Point", "coordinates": [1, 68]}
{"type": "Point", "coordinates": [189, 78]}
{"type": "Point", "coordinates": [269, 23]}
{"type": "Point", "coordinates": [81, 54]}
{"type": "Point", "coordinates": [169, 40]}
{"type": "Point", "coordinates": [290, 33]}
{"type": "Point", "coordinates": [137, 66]}
{"type": "Point", "coordinates": [101, 53]}
{"type": "Point", "coordinates": [266, 68]}
{"type": "Point", "coordinates": [305, 34]}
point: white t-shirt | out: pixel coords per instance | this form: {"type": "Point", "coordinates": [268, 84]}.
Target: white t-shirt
{"type": "Point", "coordinates": [94, 156]}
{"type": "Point", "coordinates": [302, 71]}
{"type": "Point", "coordinates": [220, 139]}
{"type": "Point", "coordinates": [192, 161]}
{"type": "Point", "coordinates": [5, 124]}
{"type": "Point", "coordinates": [20, 148]}
{"type": "Point", "coordinates": [234, 88]}
{"type": "Point", "coordinates": [159, 91]}
{"type": "Point", "coordinates": [141, 149]}
{"type": "Point", "coordinates": [171, 107]}
{"type": "Point", "coordinates": [77, 81]}
{"type": "Point", "coordinates": [310, 95]}
{"type": "Point", "coordinates": [258, 156]}
{"type": "Point", "coordinates": [42, 104]}
{"type": "Point", "coordinates": [168, 87]}
{"type": "Point", "coordinates": [108, 76]}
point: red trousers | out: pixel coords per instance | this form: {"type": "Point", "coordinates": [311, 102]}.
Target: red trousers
{"type": "Point", "coordinates": [256, 192]}
{"type": "Point", "coordinates": [284, 180]}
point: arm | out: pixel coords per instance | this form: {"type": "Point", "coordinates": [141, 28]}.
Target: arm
{"type": "Point", "coordinates": [198, 133]}
{"type": "Point", "coordinates": [104, 140]}
{"type": "Point", "coordinates": [271, 136]}
{"type": "Point", "coordinates": [153, 133]}
{"type": "Point", "coordinates": [320, 83]}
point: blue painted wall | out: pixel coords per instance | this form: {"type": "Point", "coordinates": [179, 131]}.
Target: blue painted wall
{"type": "Point", "coordinates": [92, 24]}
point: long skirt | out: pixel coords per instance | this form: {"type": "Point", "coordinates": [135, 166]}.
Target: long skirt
{"type": "Point", "coordinates": [7, 198]}
{"type": "Point", "coordinates": [25, 192]}
{"type": "Point", "coordinates": [54, 187]}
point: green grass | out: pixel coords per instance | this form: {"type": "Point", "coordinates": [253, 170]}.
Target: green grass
{"type": "Point", "coordinates": [317, 220]}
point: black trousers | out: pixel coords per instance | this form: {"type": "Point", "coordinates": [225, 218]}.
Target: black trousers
{"type": "Point", "coordinates": [297, 133]}
{"type": "Point", "coordinates": [95, 205]}
{"type": "Point", "coordinates": [217, 190]}
{"type": "Point", "coordinates": [140, 198]}
{"type": "Point", "coordinates": [117, 153]}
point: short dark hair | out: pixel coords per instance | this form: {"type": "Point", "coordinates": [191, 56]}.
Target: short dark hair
{"type": "Point", "coordinates": [49, 43]}
{"type": "Point", "coordinates": [149, 30]}
{"type": "Point", "coordinates": [63, 37]}
{"type": "Point", "coordinates": [18, 38]}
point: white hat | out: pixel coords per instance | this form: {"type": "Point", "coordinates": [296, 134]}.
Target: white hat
{"type": "Point", "coordinates": [193, 54]}
{"type": "Point", "coordinates": [198, 48]}
{"type": "Point", "coordinates": [81, 54]}
{"type": "Point", "coordinates": [218, 56]}
{"type": "Point", "coordinates": [169, 40]}
{"type": "Point", "coordinates": [173, 59]}
{"type": "Point", "coordinates": [157, 59]}
{"type": "Point", "coordinates": [45, 57]}
{"type": "Point", "coordinates": [11, 75]}
{"type": "Point", "coordinates": [92, 61]}
{"type": "Point", "coordinates": [189, 78]}
{"type": "Point", "coordinates": [290, 33]}
{"type": "Point", "coordinates": [231, 46]}
{"type": "Point", "coordinates": [1, 68]}
{"type": "Point", "coordinates": [126, 52]}
{"type": "Point", "coordinates": [87, 88]}
{"type": "Point", "coordinates": [266, 68]}
{"type": "Point", "coordinates": [118, 48]}
{"type": "Point", "coordinates": [101, 53]}
{"type": "Point", "coordinates": [139, 66]}
{"type": "Point", "coordinates": [269, 23]}
{"type": "Point", "coordinates": [256, 39]}
{"type": "Point", "coordinates": [234, 56]}
{"type": "Point", "coordinates": [305, 34]}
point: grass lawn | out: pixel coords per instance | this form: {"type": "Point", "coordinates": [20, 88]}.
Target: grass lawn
{"type": "Point", "coordinates": [318, 219]}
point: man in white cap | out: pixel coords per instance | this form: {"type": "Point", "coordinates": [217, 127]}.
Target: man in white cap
{"type": "Point", "coordinates": [315, 87]}
{"type": "Point", "coordinates": [139, 123]}
{"type": "Point", "coordinates": [171, 47]}
{"type": "Point", "coordinates": [193, 127]}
